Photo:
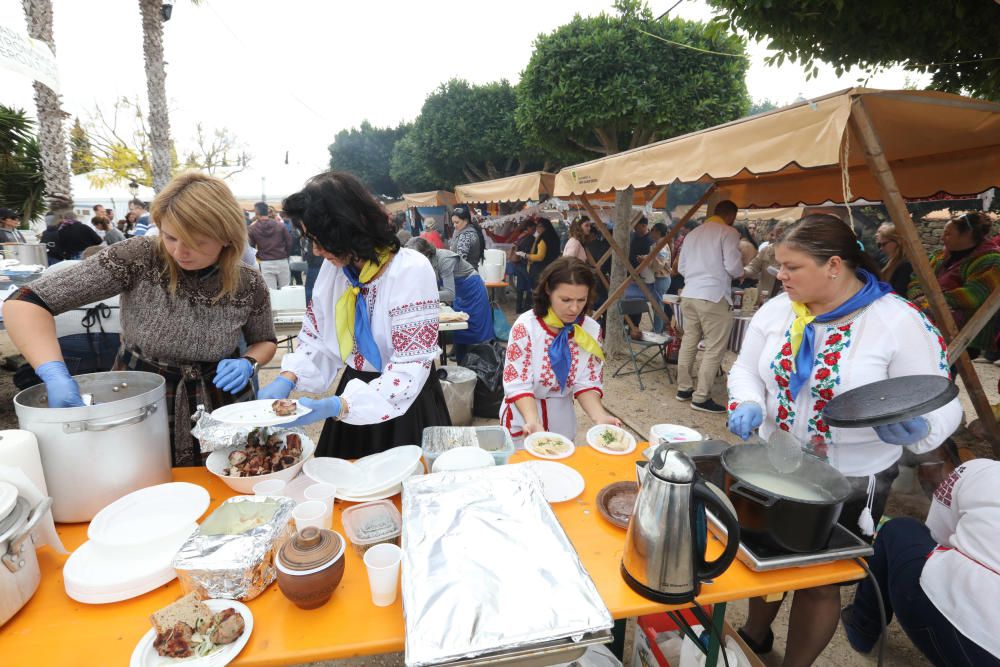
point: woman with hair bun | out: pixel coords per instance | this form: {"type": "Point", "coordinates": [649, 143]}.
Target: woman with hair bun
{"type": "Point", "coordinates": [374, 314]}
{"type": "Point", "coordinates": [554, 356]}
{"type": "Point", "coordinates": [186, 298]}
{"type": "Point", "coordinates": [835, 327]}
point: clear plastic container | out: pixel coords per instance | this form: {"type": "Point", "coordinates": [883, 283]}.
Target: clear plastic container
{"type": "Point", "coordinates": [372, 523]}
{"type": "Point", "coordinates": [494, 439]}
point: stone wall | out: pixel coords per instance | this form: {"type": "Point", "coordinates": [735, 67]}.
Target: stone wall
{"type": "Point", "coordinates": [930, 233]}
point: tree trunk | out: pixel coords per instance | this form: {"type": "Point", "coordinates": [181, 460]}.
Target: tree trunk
{"type": "Point", "coordinates": [156, 90]}
{"type": "Point", "coordinates": [51, 138]}
{"type": "Point", "coordinates": [614, 336]}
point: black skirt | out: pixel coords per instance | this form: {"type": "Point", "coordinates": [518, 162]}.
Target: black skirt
{"type": "Point", "coordinates": [350, 441]}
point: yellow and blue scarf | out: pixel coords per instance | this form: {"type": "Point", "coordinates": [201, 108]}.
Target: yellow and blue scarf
{"type": "Point", "coordinates": [802, 332]}
{"type": "Point", "coordinates": [559, 354]}
{"type": "Point", "coordinates": [352, 313]}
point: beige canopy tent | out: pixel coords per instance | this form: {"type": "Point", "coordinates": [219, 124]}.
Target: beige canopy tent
{"type": "Point", "coordinates": [857, 143]}
{"type": "Point", "coordinates": [523, 187]}
{"type": "Point", "coordinates": [432, 198]}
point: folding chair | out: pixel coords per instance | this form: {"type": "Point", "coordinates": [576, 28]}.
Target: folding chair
{"type": "Point", "coordinates": [642, 350]}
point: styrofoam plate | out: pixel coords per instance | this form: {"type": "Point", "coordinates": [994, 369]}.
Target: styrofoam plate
{"type": "Point", "coordinates": [96, 574]}
{"type": "Point", "coordinates": [386, 468]}
{"type": "Point", "coordinates": [145, 655]}
{"type": "Point", "coordinates": [341, 473]}
{"type": "Point", "coordinates": [529, 445]}
{"type": "Point", "coordinates": [672, 433]}
{"type": "Point", "coordinates": [384, 493]}
{"type": "Point", "coordinates": [559, 482]}
{"type": "Point", "coordinates": [595, 441]}
{"type": "Point", "coordinates": [255, 413]}
{"type": "Point", "coordinates": [463, 458]}
{"type": "Point", "coordinates": [149, 514]}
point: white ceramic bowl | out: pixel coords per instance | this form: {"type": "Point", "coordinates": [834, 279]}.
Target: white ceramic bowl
{"type": "Point", "coordinates": [595, 441]}
{"type": "Point", "coordinates": [529, 445]}
{"type": "Point", "coordinates": [219, 461]}
{"type": "Point", "coordinates": [463, 458]}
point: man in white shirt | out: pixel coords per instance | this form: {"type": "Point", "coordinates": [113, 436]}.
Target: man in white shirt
{"type": "Point", "coordinates": [709, 261]}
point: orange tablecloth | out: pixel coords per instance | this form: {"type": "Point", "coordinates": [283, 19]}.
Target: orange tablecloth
{"type": "Point", "coordinates": [52, 629]}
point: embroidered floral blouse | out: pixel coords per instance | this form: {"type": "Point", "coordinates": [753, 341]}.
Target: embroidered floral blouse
{"type": "Point", "coordinates": [403, 310]}
{"type": "Point", "coordinates": [889, 338]}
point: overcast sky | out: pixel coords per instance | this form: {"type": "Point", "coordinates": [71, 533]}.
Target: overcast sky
{"type": "Point", "coordinates": [287, 76]}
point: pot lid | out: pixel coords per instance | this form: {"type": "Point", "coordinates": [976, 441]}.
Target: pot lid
{"type": "Point", "coordinates": [8, 498]}
{"type": "Point", "coordinates": [311, 548]}
{"type": "Point", "coordinates": [889, 401]}
{"type": "Point", "coordinates": [671, 465]}
{"type": "Point", "coordinates": [13, 520]}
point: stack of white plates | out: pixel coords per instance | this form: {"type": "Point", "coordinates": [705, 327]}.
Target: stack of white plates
{"type": "Point", "coordinates": [370, 478]}
{"type": "Point", "coordinates": [133, 542]}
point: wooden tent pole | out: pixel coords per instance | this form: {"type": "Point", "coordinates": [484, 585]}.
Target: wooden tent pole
{"type": "Point", "coordinates": [865, 132]}
{"type": "Point", "coordinates": [623, 257]}
{"type": "Point", "coordinates": [614, 296]}
{"type": "Point", "coordinates": [975, 324]}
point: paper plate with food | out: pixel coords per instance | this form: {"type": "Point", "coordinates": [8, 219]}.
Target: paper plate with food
{"type": "Point", "coordinates": [264, 412]}
{"type": "Point", "coordinates": [611, 439]}
{"type": "Point", "coordinates": [195, 633]}
{"type": "Point", "coordinates": [546, 445]}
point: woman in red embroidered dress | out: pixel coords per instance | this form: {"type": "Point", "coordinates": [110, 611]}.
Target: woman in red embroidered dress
{"type": "Point", "coordinates": [554, 356]}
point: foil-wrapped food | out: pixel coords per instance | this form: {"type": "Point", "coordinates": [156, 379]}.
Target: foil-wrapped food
{"type": "Point", "coordinates": [232, 553]}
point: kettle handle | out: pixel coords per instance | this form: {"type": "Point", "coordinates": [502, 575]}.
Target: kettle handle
{"type": "Point", "coordinates": [710, 569]}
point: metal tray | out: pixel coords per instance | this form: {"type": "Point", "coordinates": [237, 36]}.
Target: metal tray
{"type": "Point", "coordinates": [548, 653]}
{"type": "Point", "coordinates": [889, 401]}
{"type": "Point", "coordinates": [843, 545]}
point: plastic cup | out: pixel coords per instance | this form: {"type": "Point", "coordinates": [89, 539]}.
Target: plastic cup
{"type": "Point", "coordinates": [323, 492]}
{"type": "Point", "coordinates": [382, 562]}
{"type": "Point", "coordinates": [270, 487]}
{"type": "Point", "coordinates": [311, 513]}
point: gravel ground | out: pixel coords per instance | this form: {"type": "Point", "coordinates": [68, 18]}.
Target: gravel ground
{"type": "Point", "coordinates": [639, 410]}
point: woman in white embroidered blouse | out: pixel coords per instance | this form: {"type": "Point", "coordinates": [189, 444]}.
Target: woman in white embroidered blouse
{"type": "Point", "coordinates": [835, 328]}
{"type": "Point", "coordinates": [374, 313]}
{"type": "Point", "coordinates": [554, 356]}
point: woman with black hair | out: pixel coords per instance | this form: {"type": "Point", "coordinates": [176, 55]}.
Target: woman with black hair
{"type": "Point", "coordinates": [544, 251]}
{"type": "Point", "coordinates": [374, 313]}
{"type": "Point", "coordinates": [468, 242]}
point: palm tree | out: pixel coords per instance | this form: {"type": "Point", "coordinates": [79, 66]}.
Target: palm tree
{"type": "Point", "coordinates": [51, 138]}
{"type": "Point", "coordinates": [156, 89]}
{"type": "Point", "coordinates": [22, 185]}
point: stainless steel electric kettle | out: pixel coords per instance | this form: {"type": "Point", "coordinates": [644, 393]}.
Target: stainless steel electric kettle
{"type": "Point", "coordinates": [664, 557]}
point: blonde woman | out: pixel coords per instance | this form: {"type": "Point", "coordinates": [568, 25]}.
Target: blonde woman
{"type": "Point", "coordinates": [896, 271]}
{"type": "Point", "coordinates": [186, 297]}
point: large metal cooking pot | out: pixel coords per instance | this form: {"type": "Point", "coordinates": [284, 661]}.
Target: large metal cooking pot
{"type": "Point", "coordinates": [777, 519]}
{"type": "Point", "coordinates": [94, 455]}
{"type": "Point", "coordinates": [19, 572]}
{"type": "Point", "coordinates": [32, 253]}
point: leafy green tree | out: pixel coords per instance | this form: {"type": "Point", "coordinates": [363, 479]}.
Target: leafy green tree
{"type": "Point", "coordinates": [468, 133]}
{"type": "Point", "coordinates": [603, 84]}
{"type": "Point", "coordinates": [81, 153]}
{"type": "Point", "coordinates": [955, 41]}
{"type": "Point", "coordinates": [762, 106]}
{"type": "Point", "coordinates": [366, 152]}
{"type": "Point", "coordinates": [22, 183]}
{"type": "Point", "coordinates": [409, 168]}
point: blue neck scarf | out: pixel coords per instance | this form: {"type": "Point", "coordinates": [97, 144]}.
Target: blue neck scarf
{"type": "Point", "coordinates": [363, 337]}
{"type": "Point", "coordinates": [872, 290]}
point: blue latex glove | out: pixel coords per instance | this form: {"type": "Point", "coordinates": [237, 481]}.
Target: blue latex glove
{"type": "Point", "coordinates": [322, 408]}
{"type": "Point", "coordinates": [232, 375]}
{"type": "Point", "coordinates": [745, 418]}
{"type": "Point", "coordinates": [904, 432]}
{"type": "Point", "coordinates": [59, 384]}
{"type": "Point", "coordinates": [281, 387]}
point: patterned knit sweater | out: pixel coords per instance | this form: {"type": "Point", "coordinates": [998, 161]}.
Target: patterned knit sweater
{"type": "Point", "coordinates": [184, 327]}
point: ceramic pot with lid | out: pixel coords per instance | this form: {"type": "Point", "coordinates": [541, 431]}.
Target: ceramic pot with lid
{"type": "Point", "coordinates": [792, 512]}
{"type": "Point", "coordinates": [310, 566]}
{"type": "Point", "coordinates": [95, 454]}
{"type": "Point", "coordinates": [19, 571]}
